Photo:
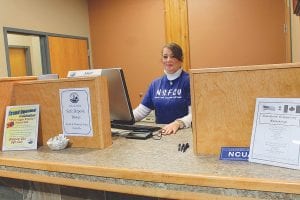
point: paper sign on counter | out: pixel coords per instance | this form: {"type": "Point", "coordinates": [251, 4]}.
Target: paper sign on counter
{"type": "Point", "coordinates": [276, 130]}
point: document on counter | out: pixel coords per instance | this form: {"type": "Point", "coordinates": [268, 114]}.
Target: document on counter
{"type": "Point", "coordinates": [21, 127]}
{"type": "Point", "coordinates": [76, 112]}
{"type": "Point", "coordinates": [276, 132]}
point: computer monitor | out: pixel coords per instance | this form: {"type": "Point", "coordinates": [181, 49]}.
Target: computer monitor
{"type": "Point", "coordinates": [119, 101]}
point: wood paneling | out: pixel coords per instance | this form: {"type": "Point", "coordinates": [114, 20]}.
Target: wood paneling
{"type": "Point", "coordinates": [67, 54]}
{"type": "Point", "coordinates": [223, 101]}
{"type": "Point", "coordinates": [46, 94]}
{"type": "Point", "coordinates": [6, 89]}
{"type": "Point", "coordinates": [176, 25]}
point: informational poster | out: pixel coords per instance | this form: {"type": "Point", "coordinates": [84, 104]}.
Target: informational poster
{"type": "Point", "coordinates": [76, 112]}
{"type": "Point", "coordinates": [276, 132]}
{"type": "Point", "coordinates": [21, 127]}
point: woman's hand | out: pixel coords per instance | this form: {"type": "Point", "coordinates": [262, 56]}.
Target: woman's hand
{"type": "Point", "coordinates": [171, 128]}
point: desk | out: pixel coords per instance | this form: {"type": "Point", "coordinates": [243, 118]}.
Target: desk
{"type": "Point", "coordinates": [152, 168]}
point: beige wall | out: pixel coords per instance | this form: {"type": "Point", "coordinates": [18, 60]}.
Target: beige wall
{"type": "Point", "coordinates": [295, 36]}
{"type": "Point", "coordinates": [69, 17]}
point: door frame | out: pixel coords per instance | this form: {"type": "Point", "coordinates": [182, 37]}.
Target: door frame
{"type": "Point", "coordinates": [44, 46]}
{"type": "Point", "coordinates": [27, 58]}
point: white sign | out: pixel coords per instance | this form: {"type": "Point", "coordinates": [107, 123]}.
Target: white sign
{"type": "Point", "coordinates": [83, 73]}
{"type": "Point", "coordinates": [276, 132]}
{"type": "Point", "coordinates": [76, 112]}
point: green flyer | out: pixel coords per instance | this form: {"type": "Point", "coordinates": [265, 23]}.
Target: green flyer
{"type": "Point", "coordinates": [21, 127]}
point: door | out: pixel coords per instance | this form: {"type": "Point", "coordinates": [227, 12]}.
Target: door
{"type": "Point", "coordinates": [17, 59]}
{"type": "Point", "coordinates": [67, 54]}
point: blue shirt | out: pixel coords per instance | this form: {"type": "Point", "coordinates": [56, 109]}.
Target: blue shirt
{"type": "Point", "coordinates": [169, 99]}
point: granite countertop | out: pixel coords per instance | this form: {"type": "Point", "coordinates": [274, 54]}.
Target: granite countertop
{"type": "Point", "coordinates": [154, 160]}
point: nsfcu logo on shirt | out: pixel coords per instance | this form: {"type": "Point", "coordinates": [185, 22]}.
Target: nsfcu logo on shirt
{"type": "Point", "coordinates": [170, 93]}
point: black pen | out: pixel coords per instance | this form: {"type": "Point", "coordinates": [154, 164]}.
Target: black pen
{"type": "Point", "coordinates": [182, 147]}
{"type": "Point", "coordinates": [186, 147]}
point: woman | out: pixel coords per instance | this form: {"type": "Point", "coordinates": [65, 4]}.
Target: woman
{"type": "Point", "coordinates": [169, 95]}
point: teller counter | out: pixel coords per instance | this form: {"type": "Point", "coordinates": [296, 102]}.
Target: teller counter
{"type": "Point", "coordinates": [145, 169]}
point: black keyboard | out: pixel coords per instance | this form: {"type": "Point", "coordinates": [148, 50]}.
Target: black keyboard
{"type": "Point", "coordinates": [135, 127]}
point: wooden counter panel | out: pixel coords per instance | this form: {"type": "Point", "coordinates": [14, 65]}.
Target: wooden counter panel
{"type": "Point", "coordinates": [6, 88]}
{"type": "Point", "coordinates": [223, 102]}
{"type": "Point", "coordinates": [46, 94]}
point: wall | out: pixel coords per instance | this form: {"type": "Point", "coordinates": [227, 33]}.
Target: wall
{"type": "Point", "coordinates": [69, 17]}
{"type": "Point", "coordinates": [235, 32]}
{"type": "Point", "coordinates": [295, 36]}
{"type": "Point", "coordinates": [222, 33]}
{"type": "Point", "coordinates": [128, 34]}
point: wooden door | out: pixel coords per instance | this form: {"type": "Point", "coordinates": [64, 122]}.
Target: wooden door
{"type": "Point", "coordinates": [17, 60]}
{"type": "Point", "coordinates": [67, 54]}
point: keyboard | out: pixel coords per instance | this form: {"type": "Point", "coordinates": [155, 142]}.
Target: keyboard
{"type": "Point", "coordinates": [135, 127]}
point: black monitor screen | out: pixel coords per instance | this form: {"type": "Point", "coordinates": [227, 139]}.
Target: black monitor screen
{"type": "Point", "coordinates": [119, 102]}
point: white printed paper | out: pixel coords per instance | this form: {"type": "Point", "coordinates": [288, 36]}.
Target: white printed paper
{"type": "Point", "coordinates": [76, 112]}
{"type": "Point", "coordinates": [276, 132]}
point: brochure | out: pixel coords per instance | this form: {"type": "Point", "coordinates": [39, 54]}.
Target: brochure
{"type": "Point", "coordinates": [21, 127]}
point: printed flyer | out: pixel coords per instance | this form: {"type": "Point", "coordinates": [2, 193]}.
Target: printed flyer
{"type": "Point", "coordinates": [275, 136]}
{"type": "Point", "coordinates": [21, 127]}
{"type": "Point", "coordinates": [76, 112]}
